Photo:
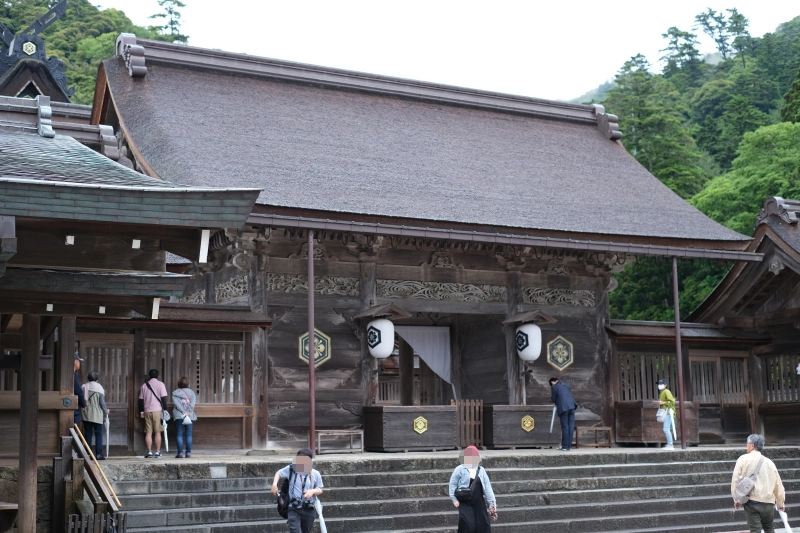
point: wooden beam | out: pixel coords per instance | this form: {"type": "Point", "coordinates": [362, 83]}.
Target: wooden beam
{"type": "Point", "coordinates": [222, 411]}
{"type": "Point", "coordinates": [46, 401]}
{"type": "Point", "coordinates": [8, 306]}
{"type": "Point", "coordinates": [49, 326]}
{"type": "Point", "coordinates": [28, 424]}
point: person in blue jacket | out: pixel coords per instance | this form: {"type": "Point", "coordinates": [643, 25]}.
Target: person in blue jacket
{"type": "Point", "coordinates": [561, 396]}
{"type": "Point", "coordinates": [473, 516]}
{"type": "Point", "coordinates": [78, 390]}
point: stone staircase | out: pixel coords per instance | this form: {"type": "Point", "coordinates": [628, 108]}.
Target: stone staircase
{"type": "Point", "coordinates": [539, 492]}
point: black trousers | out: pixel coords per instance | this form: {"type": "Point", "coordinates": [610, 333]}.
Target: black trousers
{"type": "Point", "coordinates": [90, 430]}
{"type": "Point", "coordinates": [473, 516]}
{"type": "Point", "coordinates": [567, 428]}
{"type": "Point", "coordinates": [301, 520]}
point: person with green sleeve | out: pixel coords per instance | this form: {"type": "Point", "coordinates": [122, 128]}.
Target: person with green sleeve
{"type": "Point", "coordinates": [667, 401]}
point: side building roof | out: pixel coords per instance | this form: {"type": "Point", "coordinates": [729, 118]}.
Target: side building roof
{"type": "Point", "coordinates": [349, 144]}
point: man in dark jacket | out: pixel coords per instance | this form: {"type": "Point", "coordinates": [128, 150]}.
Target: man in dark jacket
{"type": "Point", "coordinates": [561, 396]}
{"type": "Point", "coordinates": [78, 389]}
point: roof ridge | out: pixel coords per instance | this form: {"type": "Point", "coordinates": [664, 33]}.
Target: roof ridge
{"type": "Point", "coordinates": [136, 52]}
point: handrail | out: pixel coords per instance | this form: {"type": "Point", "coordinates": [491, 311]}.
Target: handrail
{"type": "Point", "coordinates": [90, 467]}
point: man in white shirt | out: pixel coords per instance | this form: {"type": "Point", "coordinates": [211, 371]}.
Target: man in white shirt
{"type": "Point", "coordinates": [768, 491]}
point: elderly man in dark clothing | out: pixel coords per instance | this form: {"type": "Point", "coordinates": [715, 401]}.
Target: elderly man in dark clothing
{"type": "Point", "coordinates": [78, 390]}
{"type": "Point", "coordinates": [561, 396]}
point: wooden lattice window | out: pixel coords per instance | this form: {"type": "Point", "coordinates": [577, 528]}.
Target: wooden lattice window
{"type": "Point", "coordinates": [214, 369]}
{"type": "Point", "coordinates": [704, 379]}
{"type": "Point", "coordinates": [782, 384]}
{"type": "Point", "coordinates": [638, 374]}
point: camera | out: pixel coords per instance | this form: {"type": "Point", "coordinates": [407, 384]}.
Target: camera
{"type": "Point", "coordinates": [308, 506]}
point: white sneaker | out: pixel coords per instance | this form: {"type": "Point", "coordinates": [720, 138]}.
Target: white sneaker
{"type": "Point", "coordinates": [668, 447]}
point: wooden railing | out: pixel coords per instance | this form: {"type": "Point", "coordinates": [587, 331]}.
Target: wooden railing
{"type": "Point", "coordinates": [75, 470]}
{"type": "Point", "coordinates": [638, 374]}
{"type": "Point", "coordinates": [97, 523]}
{"type": "Point", "coordinates": [469, 422]}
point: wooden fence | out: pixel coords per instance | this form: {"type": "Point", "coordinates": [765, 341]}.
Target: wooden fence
{"type": "Point", "coordinates": [782, 381]}
{"type": "Point", "coordinates": [469, 423]}
{"type": "Point", "coordinates": [638, 374]}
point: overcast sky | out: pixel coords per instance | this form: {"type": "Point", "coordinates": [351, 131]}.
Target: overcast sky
{"type": "Point", "coordinates": [553, 49]}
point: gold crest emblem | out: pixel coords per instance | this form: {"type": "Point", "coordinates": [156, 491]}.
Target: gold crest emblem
{"type": "Point", "coordinates": [420, 425]}
{"type": "Point", "coordinates": [527, 423]}
{"type": "Point", "coordinates": [29, 48]}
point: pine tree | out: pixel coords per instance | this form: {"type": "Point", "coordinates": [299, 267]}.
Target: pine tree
{"type": "Point", "coordinates": [172, 20]}
{"type": "Point", "coordinates": [791, 109]}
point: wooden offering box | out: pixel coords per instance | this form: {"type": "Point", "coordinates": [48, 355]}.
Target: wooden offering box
{"type": "Point", "coordinates": [503, 426]}
{"type": "Point", "coordinates": [636, 423]}
{"type": "Point", "coordinates": [394, 428]}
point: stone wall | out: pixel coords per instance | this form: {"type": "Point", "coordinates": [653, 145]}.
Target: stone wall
{"type": "Point", "coordinates": [44, 494]}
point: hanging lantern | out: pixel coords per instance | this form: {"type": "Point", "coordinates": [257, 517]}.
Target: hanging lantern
{"type": "Point", "coordinates": [529, 342]}
{"type": "Point", "coordinates": [380, 338]}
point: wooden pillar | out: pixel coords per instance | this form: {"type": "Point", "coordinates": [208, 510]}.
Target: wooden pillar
{"type": "Point", "coordinates": [137, 374]}
{"type": "Point", "coordinates": [66, 365]}
{"type": "Point", "coordinates": [28, 423]}
{"type": "Point", "coordinates": [755, 388]}
{"type": "Point", "coordinates": [406, 373]}
{"type": "Point", "coordinates": [258, 342]}
{"type": "Point", "coordinates": [369, 365]}
{"type": "Point", "coordinates": [455, 358]}
{"type": "Point", "coordinates": [211, 289]}
{"type": "Point", "coordinates": [516, 385]}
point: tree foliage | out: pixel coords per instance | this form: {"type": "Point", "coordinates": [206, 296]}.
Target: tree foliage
{"type": "Point", "coordinates": [81, 39]}
{"type": "Point", "coordinates": [711, 133]}
{"type": "Point", "coordinates": [171, 19]}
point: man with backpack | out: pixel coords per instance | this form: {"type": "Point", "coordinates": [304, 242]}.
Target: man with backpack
{"type": "Point", "coordinates": [299, 492]}
{"type": "Point", "coordinates": [757, 486]}
{"type": "Point", "coordinates": [152, 403]}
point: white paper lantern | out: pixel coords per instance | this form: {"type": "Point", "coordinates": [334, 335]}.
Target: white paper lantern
{"type": "Point", "coordinates": [380, 338]}
{"type": "Point", "coordinates": [529, 342]}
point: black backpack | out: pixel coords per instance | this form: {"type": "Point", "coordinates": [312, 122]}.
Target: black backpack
{"type": "Point", "coordinates": [283, 495]}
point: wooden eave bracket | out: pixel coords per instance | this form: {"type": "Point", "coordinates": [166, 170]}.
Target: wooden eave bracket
{"type": "Point", "coordinates": [537, 317]}
{"type": "Point", "coordinates": [390, 311]}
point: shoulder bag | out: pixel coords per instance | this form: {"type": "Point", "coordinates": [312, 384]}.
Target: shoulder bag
{"type": "Point", "coordinates": [164, 413]}
{"type": "Point", "coordinates": [464, 494]}
{"type": "Point", "coordinates": [741, 494]}
{"type": "Point", "coordinates": [187, 418]}
{"type": "Point", "coordinates": [283, 495]}
{"type": "Point", "coordinates": [661, 415]}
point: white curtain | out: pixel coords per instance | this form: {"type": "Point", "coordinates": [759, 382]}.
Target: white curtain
{"type": "Point", "coordinates": [432, 343]}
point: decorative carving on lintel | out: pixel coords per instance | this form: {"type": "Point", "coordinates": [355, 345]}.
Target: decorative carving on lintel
{"type": "Point", "coordinates": [365, 247]}
{"type": "Point", "coordinates": [231, 289]}
{"type": "Point", "coordinates": [198, 297]}
{"type": "Point", "coordinates": [550, 296]}
{"type": "Point", "coordinates": [430, 290]}
{"type": "Point", "coordinates": [557, 267]}
{"type": "Point", "coordinates": [786, 210]}
{"type": "Point", "coordinates": [441, 259]}
{"type": "Point", "coordinates": [602, 264]}
{"type": "Point", "coordinates": [132, 54]}
{"type": "Point", "coordinates": [320, 253]}
{"type": "Point", "coordinates": [607, 123]}
{"type": "Point", "coordinates": [291, 283]}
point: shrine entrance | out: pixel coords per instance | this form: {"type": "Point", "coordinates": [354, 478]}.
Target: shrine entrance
{"type": "Point", "coordinates": [722, 392]}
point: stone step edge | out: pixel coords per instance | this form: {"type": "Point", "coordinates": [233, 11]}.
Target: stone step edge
{"type": "Point", "coordinates": [725, 464]}
{"type": "Point", "coordinates": [658, 475]}
{"type": "Point", "coordinates": [438, 513]}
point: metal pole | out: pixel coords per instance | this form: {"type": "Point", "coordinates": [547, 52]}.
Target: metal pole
{"type": "Point", "coordinates": [311, 347]}
{"type": "Point", "coordinates": [678, 353]}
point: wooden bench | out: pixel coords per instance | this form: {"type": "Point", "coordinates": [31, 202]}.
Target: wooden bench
{"type": "Point", "coordinates": [596, 430]}
{"type": "Point", "coordinates": [340, 433]}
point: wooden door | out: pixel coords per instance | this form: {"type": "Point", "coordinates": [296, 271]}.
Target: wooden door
{"type": "Point", "coordinates": [734, 397]}
{"type": "Point", "coordinates": [112, 357]}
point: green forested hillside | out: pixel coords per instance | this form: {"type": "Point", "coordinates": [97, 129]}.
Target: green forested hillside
{"type": "Point", "coordinates": [713, 134]}
{"type": "Point", "coordinates": [81, 39]}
